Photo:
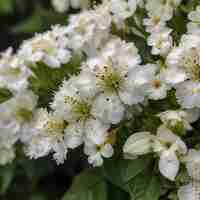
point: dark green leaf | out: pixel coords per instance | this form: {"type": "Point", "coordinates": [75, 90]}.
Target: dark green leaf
{"type": "Point", "coordinates": [120, 172]}
{"type": "Point", "coordinates": [134, 167]}
{"type": "Point", "coordinates": [145, 186]}
{"type": "Point", "coordinates": [5, 94]}
{"type": "Point", "coordinates": [6, 176]}
{"type": "Point", "coordinates": [87, 186]}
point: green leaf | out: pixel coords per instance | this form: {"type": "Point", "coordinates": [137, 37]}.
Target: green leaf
{"type": "Point", "coordinates": [46, 81]}
{"type": "Point", "coordinates": [88, 185]}
{"type": "Point", "coordinates": [6, 176]}
{"type": "Point", "coordinates": [134, 167]}
{"type": "Point", "coordinates": [115, 193]}
{"type": "Point", "coordinates": [5, 95]}
{"type": "Point", "coordinates": [134, 177]}
{"type": "Point", "coordinates": [145, 186]}
{"type": "Point", "coordinates": [120, 172]}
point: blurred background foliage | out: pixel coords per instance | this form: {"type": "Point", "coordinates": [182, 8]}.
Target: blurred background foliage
{"type": "Point", "coordinates": [20, 19]}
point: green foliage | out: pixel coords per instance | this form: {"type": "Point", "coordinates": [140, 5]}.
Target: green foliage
{"type": "Point", "coordinates": [6, 176]}
{"type": "Point", "coordinates": [145, 186]}
{"type": "Point", "coordinates": [87, 186]}
{"type": "Point", "coordinates": [134, 177]}
{"type": "Point", "coordinates": [6, 6]}
{"type": "Point", "coordinates": [40, 20]}
{"type": "Point", "coordinates": [45, 81]}
{"type": "Point", "coordinates": [5, 94]}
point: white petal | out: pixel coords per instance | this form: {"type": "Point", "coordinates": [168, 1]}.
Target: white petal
{"type": "Point", "coordinates": [108, 108]}
{"type": "Point", "coordinates": [169, 165]}
{"type": "Point", "coordinates": [138, 144]}
{"type": "Point", "coordinates": [107, 151]}
{"type": "Point", "coordinates": [96, 160]}
{"type": "Point", "coordinates": [74, 135]}
{"type": "Point", "coordinates": [186, 192]}
{"type": "Point", "coordinates": [96, 131]}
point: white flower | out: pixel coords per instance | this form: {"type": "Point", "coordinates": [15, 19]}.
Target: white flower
{"type": "Point", "coordinates": [179, 119]}
{"type": "Point", "coordinates": [122, 8]}
{"type": "Point", "coordinates": [188, 94]}
{"type": "Point", "coordinates": [189, 191]}
{"type": "Point", "coordinates": [13, 72]}
{"type": "Point", "coordinates": [154, 86]}
{"type": "Point", "coordinates": [74, 134]}
{"type": "Point", "coordinates": [88, 30]}
{"type": "Point", "coordinates": [15, 114]}
{"type": "Point", "coordinates": [184, 61]}
{"type": "Point", "coordinates": [98, 142]}
{"type": "Point", "coordinates": [169, 164]}
{"type": "Point", "coordinates": [194, 17]}
{"type": "Point", "coordinates": [7, 155]}
{"type": "Point", "coordinates": [164, 8]}
{"type": "Point", "coordinates": [161, 42]}
{"type": "Point", "coordinates": [96, 153]}
{"type": "Point", "coordinates": [108, 108]}
{"type": "Point", "coordinates": [138, 144]}
{"type": "Point", "coordinates": [170, 145]}
{"type": "Point", "coordinates": [48, 48]}
{"type": "Point", "coordinates": [115, 71]}
{"type": "Point", "coordinates": [48, 135]}
{"type": "Point", "coordinates": [193, 164]}
{"type": "Point", "coordinates": [154, 23]}
{"type": "Point", "coordinates": [74, 99]}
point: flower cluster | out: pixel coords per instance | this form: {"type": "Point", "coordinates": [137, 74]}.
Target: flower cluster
{"type": "Point", "coordinates": [90, 106]}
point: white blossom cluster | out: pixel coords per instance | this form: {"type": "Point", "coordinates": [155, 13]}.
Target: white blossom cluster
{"type": "Point", "coordinates": [87, 107]}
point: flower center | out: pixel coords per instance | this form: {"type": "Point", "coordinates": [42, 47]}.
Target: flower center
{"type": "Point", "coordinates": [156, 83]}
{"type": "Point", "coordinates": [55, 127]}
{"type": "Point", "coordinates": [110, 79]}
{"type": "Point", "coordinates": [191, 63]}
{"type": "Point", "coordinates": [81, 108]}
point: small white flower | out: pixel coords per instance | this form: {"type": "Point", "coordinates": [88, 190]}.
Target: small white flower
{"type": "Point", "coordinates": [169, 164]}
{"type": "Point", "coordinates": [179, 119]}
{"type": "Point", "coordinates": [161, 42]}
{"type": "Point", "coordinates": [155, 87]}
{"type": "Point", "coordinates": [122, 9]}
{"type": "Point", "coordinates": [97, 142]}
{"type": "Point", "coordinates": [88, 30]}
{"type": "Point", "coordinates": [48, 48]}
{"type": "Point", "coordinates": [74, 99]}
{"type": "Point", "coordinates": [16, 113]}
{"type": "Point", "coordinates": [48, 135]}
{"type": "Point", "coordinates": [189, 191]}
{"type": "Point", "coordinates": [194, 25]}
{"type": "Point", "coordinates": [13, 72]}
{"type": "Point", "coordinates": [108, 108]}
{"type": "Point", "coordinates": [74, 134]}
{"type": "Point", "coordinates": [172, 144]}
{"type": "Point", "coordinates": [188, 94]}
{"type": "Point", "coordinates": [193, 164]}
